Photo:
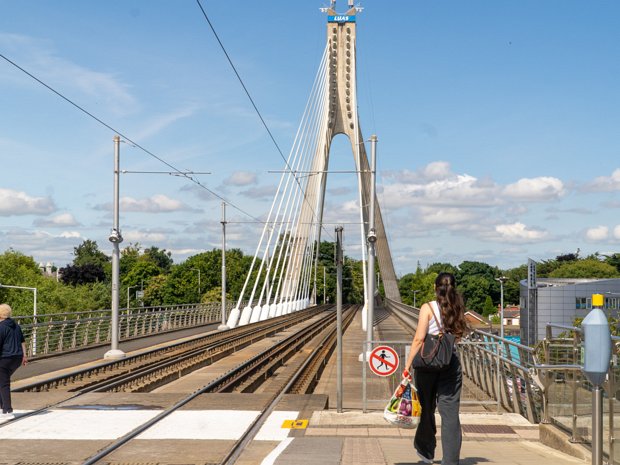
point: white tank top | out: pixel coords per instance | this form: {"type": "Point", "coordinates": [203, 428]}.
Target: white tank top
{"type": "Point", "coordinates": [432, 325]}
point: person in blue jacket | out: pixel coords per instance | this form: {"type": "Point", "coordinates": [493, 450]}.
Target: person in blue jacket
{"type": "Point", "coordinates": [12, 355]}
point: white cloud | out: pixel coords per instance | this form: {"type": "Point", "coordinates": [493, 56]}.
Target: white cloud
{"type": "Point", "coordinates": [617, 232]}
{"type": "Point", "coordinates": [463, 190]}
{"type": "Point", "coordinates": [144, 236]}
{"type": "Point", "coordinates": [518, 232]}
{"type": "Point", "coordinates": [539, 189]}
{"type": "Point", "coordinates": [70, 235]}
{"type": "Point", "coordinates": [605, 183]}
{"type": "Point", "coordinates": [599, 233]}
{"type": "Point", "coordinates": [260, 192]}
{"type": "Point", "coordinates": [241, 178]}
{"type": "Point", "coordinates": [158, 203]}
{"type": "Point", "coordinates": [13, 203]}
{"type": "Point", "coordinates": [437, 170]}
{"type": "Point", "coordinates": [62, 220]}
{"type": "Point", "coordinates": [446, 216]}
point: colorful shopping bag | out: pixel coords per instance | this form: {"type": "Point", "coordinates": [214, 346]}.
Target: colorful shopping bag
{"type": "Point", "coordinates": [404, 408]}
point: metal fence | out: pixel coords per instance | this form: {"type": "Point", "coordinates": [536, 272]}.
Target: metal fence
{"type": "Point", "coordinates": [499, 367]}
{"type": "Point", "coordinates": [567, 400]}
{"type": "Point", "coordinates": [545, 383]}
{"type": "Point", "coordinates": [62, 332]}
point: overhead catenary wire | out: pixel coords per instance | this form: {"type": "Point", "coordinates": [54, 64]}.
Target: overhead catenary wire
{"type": "Point", "coordinates": [247, 92]}
{"type": "Point", "coordinates": [180, 173]}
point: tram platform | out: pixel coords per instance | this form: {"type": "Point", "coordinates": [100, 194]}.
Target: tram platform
{"type": "Point", "coordinates": [303, 429]}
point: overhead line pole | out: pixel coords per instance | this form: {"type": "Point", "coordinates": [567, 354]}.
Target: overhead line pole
{"type": "Point", "coordinates": [372, 238]}
{"type": "Point", "coordinates": [223, 326]}
{"type": "Point", "coordinates": [115, 238]}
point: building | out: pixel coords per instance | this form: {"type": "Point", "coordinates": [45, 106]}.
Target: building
{"type": "Point", "coordinates": [560, 301]}
{"type": "Point", "coordinates": [512, 315]}
{"type": "Point", "coordinates": [476, 321]}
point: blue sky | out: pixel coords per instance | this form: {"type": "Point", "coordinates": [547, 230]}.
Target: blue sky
{"type": "Point", "coordinates": [497, 123]}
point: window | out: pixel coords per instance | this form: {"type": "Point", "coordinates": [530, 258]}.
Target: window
{"type": "Point", "coordinates": [583, 303]}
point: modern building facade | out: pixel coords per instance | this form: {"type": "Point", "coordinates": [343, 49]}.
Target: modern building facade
{"type": "Point", "coordinates": [560, 301]}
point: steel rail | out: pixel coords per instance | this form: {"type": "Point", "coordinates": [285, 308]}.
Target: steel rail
{"type": "Point", "coordinates": [174, 350]}
{"type": "Point", "coordinates": [233, 454]}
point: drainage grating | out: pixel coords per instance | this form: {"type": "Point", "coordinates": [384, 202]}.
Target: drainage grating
{"type": "Point", "coordinates": [488, 429]}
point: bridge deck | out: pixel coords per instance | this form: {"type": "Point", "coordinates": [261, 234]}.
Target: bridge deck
{"type": "Point", "coordinates": [204, 432]}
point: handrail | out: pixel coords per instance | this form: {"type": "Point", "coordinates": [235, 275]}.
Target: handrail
{"type": "Point", "coordinates": [63, 332]}
{"type": "Point", "coordinates": [501, 368]}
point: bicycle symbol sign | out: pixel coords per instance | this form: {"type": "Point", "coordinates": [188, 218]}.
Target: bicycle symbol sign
{"type": "Point", "coordinates": [383, 361]}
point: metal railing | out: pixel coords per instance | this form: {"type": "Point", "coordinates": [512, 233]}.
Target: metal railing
{"type": "Point", "coordinates": [500, 368]}
{"type": "Point", "coordinates": [63, 332]}
{"type": "Point", "coordinates": [545, 383]}
{"type": "Point", "coordinates": [567, 400]}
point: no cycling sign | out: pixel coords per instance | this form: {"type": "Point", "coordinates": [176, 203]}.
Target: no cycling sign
{"type": "Point", "coordinates": [383, 361]}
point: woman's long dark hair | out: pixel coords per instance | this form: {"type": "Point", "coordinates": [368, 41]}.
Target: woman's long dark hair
{"type": "Point", "coordinates": [451, 304]}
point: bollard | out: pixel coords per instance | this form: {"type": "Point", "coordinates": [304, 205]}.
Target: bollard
{"type": "Point", "coordinates": [597, 356]}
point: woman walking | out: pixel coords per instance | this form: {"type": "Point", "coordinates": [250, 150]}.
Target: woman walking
{"type": "Point", "coordinates": [440, 389]}
{"type": "Point", "coordinates": [12, 355]}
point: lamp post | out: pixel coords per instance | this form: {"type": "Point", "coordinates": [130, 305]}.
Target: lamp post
{"type": "Point", "coordinates": [115, 238]}
{"type": "Point", "coordinates": [223, 326]}
{"type": "Point", "coordinates": [128, 289]}
{"type": "Point", "coordinates": [414, 293]}
{"type": "Point", "coordinates": [502, 280]}
{"type": "Point", "coordinates": [34, 314]}
{"type": "Point", "coordinates": [324, 286]}
{"type": "Point", "coordinates": [198, 270]}
{"type": "Point", "coordinates": [371, 239]}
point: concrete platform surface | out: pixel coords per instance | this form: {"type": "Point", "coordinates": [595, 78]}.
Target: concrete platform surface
{"type": "Point", "coordinates": [203, 433]}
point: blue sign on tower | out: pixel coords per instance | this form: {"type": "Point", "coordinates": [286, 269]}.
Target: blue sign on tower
{"type": "Point", "coordinates": [341, 19]}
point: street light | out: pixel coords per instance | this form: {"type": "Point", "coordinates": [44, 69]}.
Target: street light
{"type": "Point", "coordinates": [128, 289]}
{"type": "Point", "coordinates": [414, 293]}
{"type": "Point", "coordinates": [196, 269]}
{"type": "Point", "coordinates": [502, 280]}
{"type": "Point", "coordinates": [115, 238]}
{"type": "Point", "coordinates": [34, 314]}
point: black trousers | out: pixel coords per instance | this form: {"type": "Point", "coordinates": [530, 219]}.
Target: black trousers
{"type": "Point", "coordinates": [440, 389]}
{"type": "Point", "coordinates": [8, 365]}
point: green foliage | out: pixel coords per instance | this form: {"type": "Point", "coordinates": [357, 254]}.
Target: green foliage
{"type": "Point", "coordinates": [88, 252]}
{"type": "Point", "coordinates": [167, 283]}
{"type": "Point", "coordinates": [587, 268]}
{"type": "Point", "coordinates": [86, 273]}
{"type": "Point", "coordinates": [89, 259]}
{"type": "Point", "coordinates": [421, 281]}
{"type": "Point", "coordinates": [161, 258]}
{"type": "Point", "coordinates": [488, 308]}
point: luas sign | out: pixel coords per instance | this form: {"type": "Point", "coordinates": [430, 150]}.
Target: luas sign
{"type": "Point", "coordinates": [341, 19]}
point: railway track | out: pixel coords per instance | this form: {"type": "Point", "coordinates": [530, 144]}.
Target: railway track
{"type": "Point", "coordinates": [298, 358]}
{"type": "Point", "coordinates": [153, 368]}
{"type": "Point", "coordinates": [321, 331]}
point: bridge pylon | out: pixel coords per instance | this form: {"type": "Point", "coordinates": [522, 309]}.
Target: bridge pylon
{"type": "Point", "coordinates": [283, 281]}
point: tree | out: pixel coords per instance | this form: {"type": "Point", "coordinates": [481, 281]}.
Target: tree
{"type": "Point", "coordinates": [161, 258]}
{"type": "Point", "coordinates": [488, 308]}
{"type": "Point", "coordinates": [421, 281]}
{"type": "Point", "coordinates": [129, 257]}
{"type": "Point", "coordinates": [82, 274]}
{"type": "Point", "coordinates": [90, 260]}
{"type": "Point", "coordinates": [475, 290]}
{"type": "Point", "coordinates": [588, 268]}
{"type": "Point", "coordinates": [442, 268]}
{"type": "Point", "coordinates": [613, 260]}
{"type": "Point", "coordinates": [88, 252]}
